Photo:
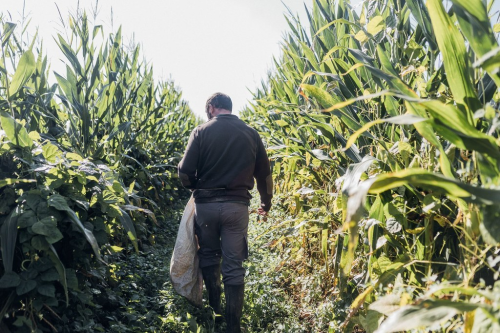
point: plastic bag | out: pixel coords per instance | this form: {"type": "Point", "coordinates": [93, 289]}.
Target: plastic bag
{"type": "Point", "coordinates": [185, 272]}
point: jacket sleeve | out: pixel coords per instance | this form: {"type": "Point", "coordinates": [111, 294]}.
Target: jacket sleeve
{"type": "Point", "coordinates": [189, 163]}
{"type": "Point", "coordinates": [263, 176]}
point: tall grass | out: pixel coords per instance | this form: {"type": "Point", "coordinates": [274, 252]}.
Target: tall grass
{"type": "Point", "coordinates": [382, 129]}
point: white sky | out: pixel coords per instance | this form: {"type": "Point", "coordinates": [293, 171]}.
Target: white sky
{"type": "Point", "coordinates": [204, 46]}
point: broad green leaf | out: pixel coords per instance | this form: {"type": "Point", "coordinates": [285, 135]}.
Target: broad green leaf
{"type": "Point", "coordinates": [15, 132]}
{"type": "Point", "coordinates": [47, 289]}
{"type": "Point", "coordinates": [9, 280]}
{"type": "Point", "coordinates": [40, 243]}
{"type": "Point", "coordinates": [25, 68]}
{"type": "Point", "coordinates": [48, 228]}
{"type": "Point", "coordinates": [51, 152]}
{"type": "Point", "coordinates": [50, 275]}
{"type": "Point", "coordinates": [25, 287]}
{"type": "Point", "coordinates": [57, 201]}
{"type": "Point", "coordinates": [375, 25]}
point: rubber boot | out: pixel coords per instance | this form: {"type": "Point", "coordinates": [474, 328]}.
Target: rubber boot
{"type": "Point", "coordinates": [211, 277]}
{"type": "Point", "coordinates": [234, 307]}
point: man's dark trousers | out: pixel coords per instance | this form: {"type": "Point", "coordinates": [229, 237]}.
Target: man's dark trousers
{"type": "Point", "coordinates": [222, 229]}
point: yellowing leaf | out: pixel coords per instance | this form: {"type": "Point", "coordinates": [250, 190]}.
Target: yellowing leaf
{"type": "Point", "coordinates": [35, 136]}
{"type": "Point", "coordinates": [281, 123]}
{"type": "Point", "coordinates": [74, 156]}
{"type": "Point", "coordinates": [375, 25]}
{"type": "Point", "coordinates": [361, 298]}
{"type": "Point", "coordinates": [51, 152]}
{"type": "Point", "coordinates": [415, 231]}
{"type": "Point", "coordinates": [116, 248]}
{"type": "Point", "coordinates": [361, 36]}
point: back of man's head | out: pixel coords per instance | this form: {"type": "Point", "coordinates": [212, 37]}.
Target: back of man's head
{"type": "Point", "coordinates": [220, 101]}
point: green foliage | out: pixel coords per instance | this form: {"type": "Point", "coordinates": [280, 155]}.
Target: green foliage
{"type": "Point", "coordinates": [381, 127]}
{"type": "Point", "coordinates": [87, 166]}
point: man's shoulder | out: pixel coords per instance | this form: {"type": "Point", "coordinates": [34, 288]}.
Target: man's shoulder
{"type": "Point", "coordinates": [216, 124]}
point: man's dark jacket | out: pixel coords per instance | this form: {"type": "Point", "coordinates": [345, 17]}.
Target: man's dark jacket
{"type": "Point", "coordinates": [222, 158]}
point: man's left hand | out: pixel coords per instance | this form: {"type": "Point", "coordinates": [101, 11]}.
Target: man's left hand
{"type": "Point", "coordinates": [261, 211]}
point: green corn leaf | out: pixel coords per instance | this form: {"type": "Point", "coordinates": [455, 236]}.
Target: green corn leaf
{"type": "Point", "coordinates": [405, 119]}
{"type": "Point", "coordinates": [128, 224]}
{"type": "Point", "coordinates": [421, 15]}
{"type": "Point", "coordinates": [425, 314]}
{"type": "Point", "coordinates": [143, 210]}
{"type": "Point", "coordinates": [434, 182]}
{"type": "Point", "coordinates": [70, 54]}
{"type": "Point", "coordinates": [8, 29]}
{"type": "Point", "coordinates": [373, 27]}
{"type": "Point", "coordinates": [475, 25]}
{"type": "Point", "coordinates": [8, 233]}
{"type": "Point", "coordinates": [354, 172]}
{"type": "Point", "coordinates": [25, 68]}
{"type": "Point", "coordinates": [425, 129]}
{"type": "Point", "coordinates": [455, 58]}
{"type": "Point", "coordinates": [11, 181]}
{"type": "Point", "coordinates": [452, 124]}
{"type": "Point", "coordinates": [336, 22]}
{"type": "Point", "coordinates": [326, 100]}
{"type": "Point", "coordinates": [60, 269]}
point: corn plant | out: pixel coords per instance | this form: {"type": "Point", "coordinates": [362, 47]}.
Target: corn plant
{"type": "Point", "coordinates": [382, 124]}
{"type": "Point", "coordinates": [86, 167]}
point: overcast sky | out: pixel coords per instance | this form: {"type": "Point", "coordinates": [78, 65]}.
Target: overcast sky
{"type": "Point", "coordinates": [204, 46]}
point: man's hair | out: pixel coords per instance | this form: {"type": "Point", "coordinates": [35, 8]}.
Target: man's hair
{"type": "Point", "coordinates": [219, 101]}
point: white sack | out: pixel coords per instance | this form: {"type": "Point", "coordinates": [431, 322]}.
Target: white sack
{"type": "Point", "coordinates": [185, 272]}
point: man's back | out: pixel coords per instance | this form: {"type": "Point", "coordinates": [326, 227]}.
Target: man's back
{"type": "Point", "coordinates": [228, 149]}
{"type": "Point", "coordinates": [222, 158]}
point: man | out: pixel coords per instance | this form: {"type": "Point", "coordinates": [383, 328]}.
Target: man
{"type": "Point", "coordinates": [222, 158]}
